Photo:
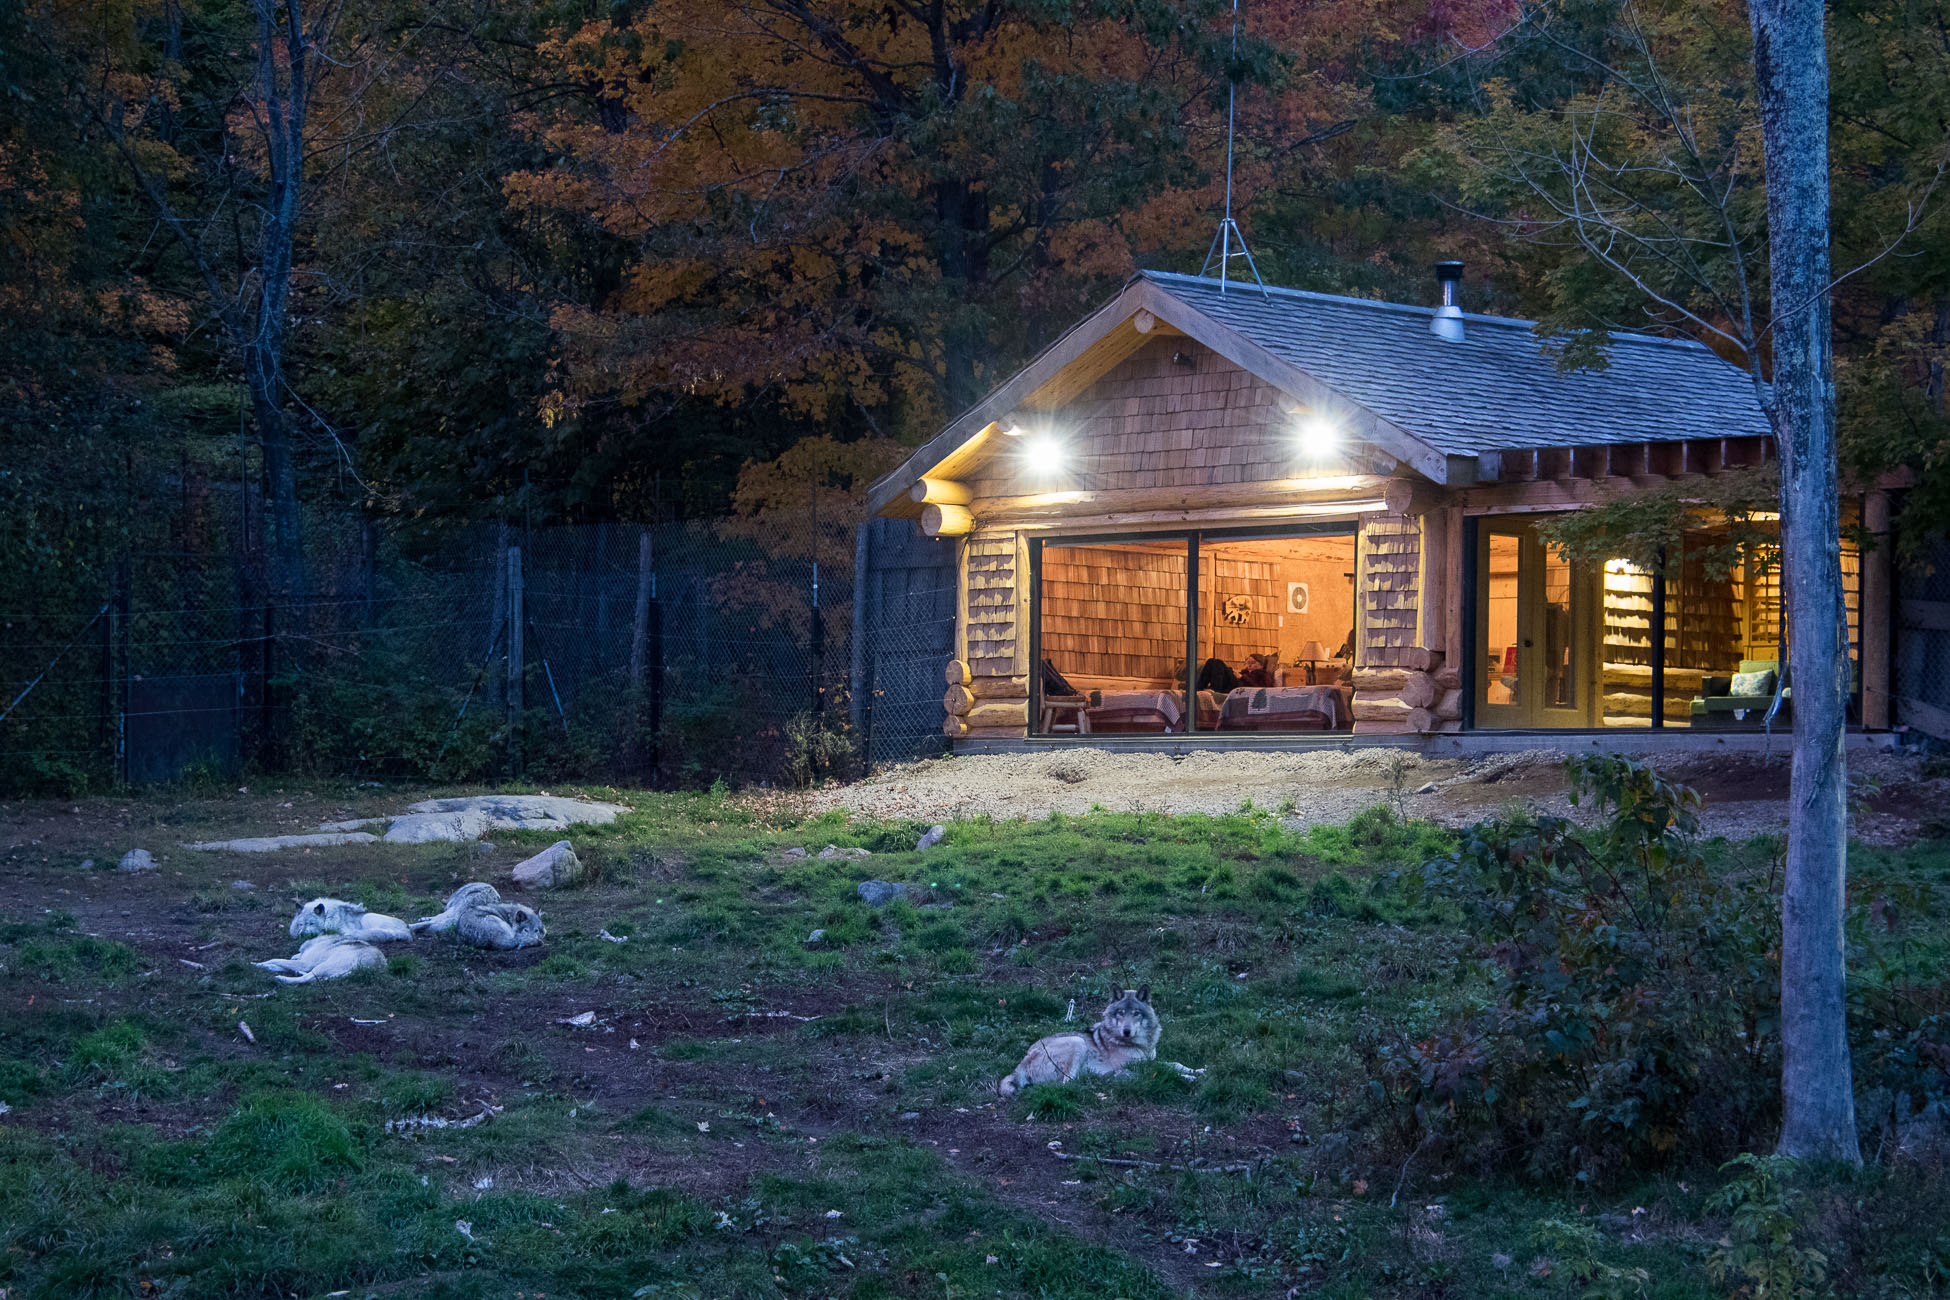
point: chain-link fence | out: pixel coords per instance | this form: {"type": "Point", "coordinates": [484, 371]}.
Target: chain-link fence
{"type": "Point", "coordinates": [1921, 671]}
{"type": "Point", "coordinates": [672, 655]}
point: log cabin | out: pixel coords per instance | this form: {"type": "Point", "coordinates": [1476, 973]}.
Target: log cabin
{"type": "Point", "coordinates": [1213, 511]}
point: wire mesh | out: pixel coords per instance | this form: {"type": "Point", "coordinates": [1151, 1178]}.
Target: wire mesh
{"type": "Point", "coordinates": [675, 655]}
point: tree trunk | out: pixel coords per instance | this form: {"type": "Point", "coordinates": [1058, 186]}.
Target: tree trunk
{"type": "Point", "coordinates": [1791, 71]}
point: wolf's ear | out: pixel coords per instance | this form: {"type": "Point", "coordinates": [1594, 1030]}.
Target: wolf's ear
{"type": "Point", "coordinates": [318, 908]}
{"type": "Point", "coordinates": [1144, 994]}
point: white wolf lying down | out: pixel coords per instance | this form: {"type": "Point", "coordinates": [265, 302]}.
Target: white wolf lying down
{"type": "Point", "coordinates": [1126, 1035]}
{"type": "Point", "coordinates": [326, 957]}
{"type": "Point", "coordinates": [476, 914]}
{"type": "Point", "coordinates": [335, 916]}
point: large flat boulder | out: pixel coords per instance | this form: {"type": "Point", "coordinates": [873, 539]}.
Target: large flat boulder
{"type": "Point", "coordinates": [271, 843]}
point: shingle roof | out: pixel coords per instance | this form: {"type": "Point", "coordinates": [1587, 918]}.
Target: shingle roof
{"type": "Point", "coordinates": [1496, 390]}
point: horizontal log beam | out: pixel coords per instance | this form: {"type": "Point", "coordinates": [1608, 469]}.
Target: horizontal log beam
{"type": "Point", "coordinates": [946, 521]}
{"type": "Point", "coordinates": [940, 492]}
{"type": "Point", "coordinates": [1265, 493]}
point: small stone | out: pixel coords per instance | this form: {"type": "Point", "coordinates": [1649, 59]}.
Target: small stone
{"type": "Point", "coordinates": [832, 852]}
{"type": "Point", "coordinates": [1427, 787]}
{"type": "Point", "coordinates": [553, 867]}
{"type": "Point", "coordinates": [816, 936]}
{"type": "Point", "coordinates": [795, 853]}
{"type": "Point", "coordinates": [910, 1114]}
{"type": "Point", "coordinates": [1500, 1260]}
{"type": "Point", "coordinates": [879, 893]}
{"type": "Point", "coordinates": [138, 860]}
{"type": "Point", "coordinates": [87, 864]}
{"type": "Point", "coordinates": [933, 837]}
{"type": "Point", "coordinates": [242, 884]}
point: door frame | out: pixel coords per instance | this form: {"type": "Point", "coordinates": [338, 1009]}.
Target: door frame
{"type": "Point", "coordinates": [1529, 712]}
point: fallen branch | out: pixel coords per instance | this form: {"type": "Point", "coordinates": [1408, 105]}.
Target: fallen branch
{"type": "Point", "coordinates": [1196, 1167]}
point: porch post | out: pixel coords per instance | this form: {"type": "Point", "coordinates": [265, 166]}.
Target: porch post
{"type": "Point", "coordinates": [1876, 612]}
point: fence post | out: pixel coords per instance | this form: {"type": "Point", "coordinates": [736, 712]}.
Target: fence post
{"type": "Point", "coordinates": [817, 637]}
{"type": "Point", "coordinates": [640, 630]}
{"type": "Point", "coordinates": [514, 660]}
{"type": "Point", "coordinates": [118, 669]}
{"type": "Point", "coordinates": [857, 704]}
{"type": "Point", "coordinates": [654, 626]}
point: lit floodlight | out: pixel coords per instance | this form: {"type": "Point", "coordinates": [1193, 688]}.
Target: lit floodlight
{"type": "Point", "coordinates": [1045, 453]}
{"type": "Point", "coordinates": [1318, 435]}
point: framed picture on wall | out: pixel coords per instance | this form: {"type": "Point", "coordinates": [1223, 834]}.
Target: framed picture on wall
{"type": "Point", "coordinates": [1296, 597]}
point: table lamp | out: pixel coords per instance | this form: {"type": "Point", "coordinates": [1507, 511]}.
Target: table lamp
{"type": "Point", "coordinates": [1311, 654]}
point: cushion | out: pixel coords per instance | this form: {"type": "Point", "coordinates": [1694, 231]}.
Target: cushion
{"type": "Point", "coordinates": [1716, 685]}
{"type": "Point", "coordinates": [1760, 683]}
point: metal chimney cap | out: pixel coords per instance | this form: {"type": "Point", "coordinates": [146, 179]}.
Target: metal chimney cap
{"type": "Point", "coordinates": [1448, 322]}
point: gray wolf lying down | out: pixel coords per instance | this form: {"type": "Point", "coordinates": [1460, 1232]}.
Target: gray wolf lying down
{"type": "Point", "coordinates": [336, 916]}
{"type": "Point", "coordinates": [326, 957]}
{"type": "Point", "coordinates": [1127, 1034]}
{"type": "Point", "coordinates": [476, 914]}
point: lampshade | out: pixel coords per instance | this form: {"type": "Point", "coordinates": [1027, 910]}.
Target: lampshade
{"type": "Point", "coordinates": [1312, 652]}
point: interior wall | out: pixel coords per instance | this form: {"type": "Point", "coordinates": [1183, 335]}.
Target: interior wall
{"type": "Point", "coordinates": [1115, 610]}
{"type": "Point", "coordinates": [1260, 570]}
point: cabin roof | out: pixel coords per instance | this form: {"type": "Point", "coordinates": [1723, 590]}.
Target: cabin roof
{"type": "Point", "coordinates": [1442, 408]}
{"type": "Point", "coordinates": [1496, 390]}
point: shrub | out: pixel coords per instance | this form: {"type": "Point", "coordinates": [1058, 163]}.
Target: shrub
{"type": "Point", "coordinates": [1635, 991]}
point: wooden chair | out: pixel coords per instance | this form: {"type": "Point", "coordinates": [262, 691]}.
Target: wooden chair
{"type": "Point", "coordinates": [1065, 713]}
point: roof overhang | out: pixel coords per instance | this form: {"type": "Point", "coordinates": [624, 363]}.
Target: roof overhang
{"type": "Point", "coordinates": [1095, 346]}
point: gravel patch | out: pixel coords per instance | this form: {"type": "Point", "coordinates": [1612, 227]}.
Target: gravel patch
{"type": "Point", "coordinates": [1746, 794]}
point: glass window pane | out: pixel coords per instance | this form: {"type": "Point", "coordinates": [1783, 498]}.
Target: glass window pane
{"type": "Point", "coordinates": [1275, 633]}
{"type": "Point", "coordinates": [1723, 630]}
{"type": "Point", "coordinates": [1628, 645]}
{"type": "Point", "coordinates": [1113, 637]}
{"type": "Point", "coordinates": [1500, 660]}
{"type": "Point", "coordinates": [1560, 667]}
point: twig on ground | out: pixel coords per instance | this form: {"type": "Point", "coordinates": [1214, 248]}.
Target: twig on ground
{"type": "Point", "coordinates": [1405, 1164]}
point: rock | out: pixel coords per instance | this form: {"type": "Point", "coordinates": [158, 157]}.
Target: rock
{"type": "Point", "coordinates": [242, 884]}
{"type": "Point", "coordinates": [816, 936]}
{"type": "Point", "coordinates": [833, 852]}
{"type": "Point", "coordinates": [879, 893]}
{"type": "Point", "coordinates": [450, 827]}
{"type": "Point", "coordinates": [356, 824]}
{"type": "Point", "coordinates": [87, 864]}
{"type": "Point", "coordinates": [270, 843]}
{"type": "Point", "coordinates": [933, 837]}
{"type": "Point", "coordinates": [523, 812]}
{"type": "Point", "coordinates": [554, 866]}
{"type": "Point", "coordinates": [137, 860]}
{"type": "Point", "coordinates": [1427, 787]}
{"type": "Point", "coordinates": [795, 853]}
{"type": "Point", "coordinates": [910, 1115]}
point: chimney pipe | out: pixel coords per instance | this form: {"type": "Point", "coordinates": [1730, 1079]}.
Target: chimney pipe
{"type": "Point", "coordinates": [1448, 322]}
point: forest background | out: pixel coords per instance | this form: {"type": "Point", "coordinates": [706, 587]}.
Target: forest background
{"type": "Point", "coordinates": [430, 265]}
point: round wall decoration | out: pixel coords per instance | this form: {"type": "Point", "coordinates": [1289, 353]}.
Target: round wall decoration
{"type": "Point", "coordinates": [1237, 609]}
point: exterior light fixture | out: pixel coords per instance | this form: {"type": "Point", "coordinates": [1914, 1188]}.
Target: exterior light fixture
{"type": "Point", "coordinates": [1319, 435]}
{"type": "Point", "coordinates": [1045, 453]}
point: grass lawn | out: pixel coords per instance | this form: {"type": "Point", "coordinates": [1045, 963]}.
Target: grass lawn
{"type": "Point", "coordinates": [753, 1114]}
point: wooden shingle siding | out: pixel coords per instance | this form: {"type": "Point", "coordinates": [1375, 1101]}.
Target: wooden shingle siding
{"type": "Point", "coordinates": [1151, 423]}
{"type": "Point", "coordinates": [993, 629]}
{"type": "Point", "coordinates": [1391, 561]}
